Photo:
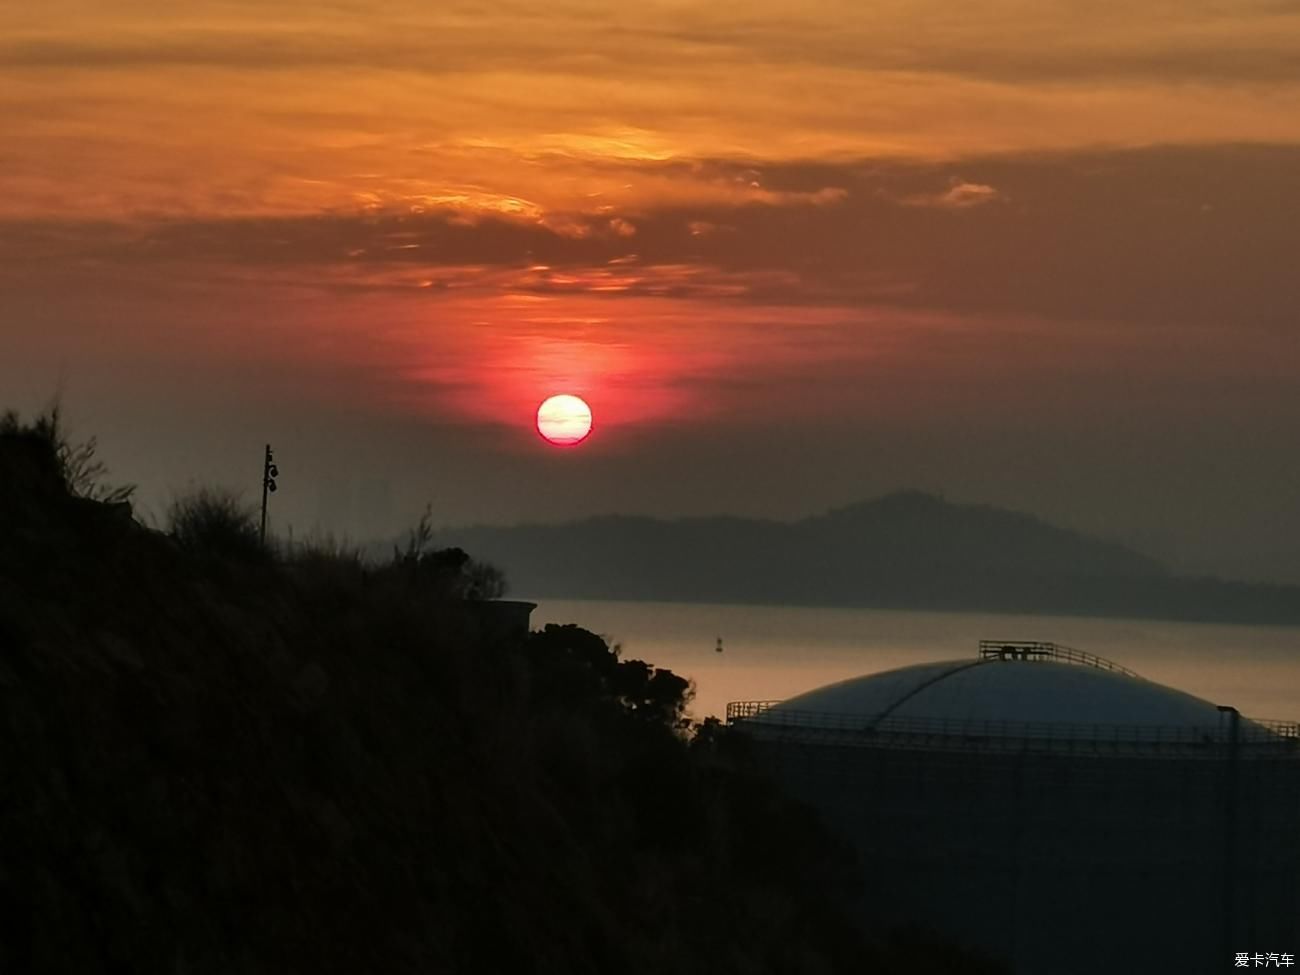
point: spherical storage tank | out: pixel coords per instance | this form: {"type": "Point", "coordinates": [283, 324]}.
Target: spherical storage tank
{"type": "Point", "coordinates": [1052, 809]}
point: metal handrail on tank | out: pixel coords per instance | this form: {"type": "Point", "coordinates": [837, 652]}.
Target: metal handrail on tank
{"type": "Point", "coordinates": [1042, 650]}
{"type": "Point", "coordinates": [888, 729]}
{"type": "Point", "coordinates": [747, 709]}
{"type": "Point", "coordinates": [1283, 729]}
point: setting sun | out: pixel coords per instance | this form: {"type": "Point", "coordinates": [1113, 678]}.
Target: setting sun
{"type": "Point", "coordinates": [564, 420]}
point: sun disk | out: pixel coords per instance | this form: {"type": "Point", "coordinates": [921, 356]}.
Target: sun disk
{"type": "Point", "coordinates": [564, 420]}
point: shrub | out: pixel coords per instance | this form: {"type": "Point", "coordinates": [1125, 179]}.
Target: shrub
{"type": "Point", "coordinates": [82, 472]}
{"type": "Point", "coordinates": [214, 521]}
{"type": "Point", "coordinates": [449, 571]}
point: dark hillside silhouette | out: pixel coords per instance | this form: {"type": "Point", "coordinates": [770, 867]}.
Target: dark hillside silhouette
{"type": "Point", "coordinates": [221, 760]}
{"type": "Point", "coordinates": [907, 550]}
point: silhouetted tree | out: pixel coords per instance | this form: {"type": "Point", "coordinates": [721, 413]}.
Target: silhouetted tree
{"type": "Point", "coordinates": [649, 692]}
{"type": "Point", "coordinates": [483, 581]}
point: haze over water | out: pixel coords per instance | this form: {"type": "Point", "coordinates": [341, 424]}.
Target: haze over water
{"type": "Point", "coordinates": [773, 652]}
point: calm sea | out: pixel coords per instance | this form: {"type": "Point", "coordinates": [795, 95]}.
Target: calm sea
{"type": "Point", "coordinates": [772, 652]}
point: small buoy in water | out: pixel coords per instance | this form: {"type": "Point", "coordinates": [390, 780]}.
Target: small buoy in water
{"type": "Point", "coordinates": [718, 648]}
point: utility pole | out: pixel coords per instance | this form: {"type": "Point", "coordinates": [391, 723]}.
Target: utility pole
{"type": "Point", "coordinates": [269, 473]}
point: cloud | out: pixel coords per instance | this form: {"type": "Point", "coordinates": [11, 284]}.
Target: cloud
{"type": "Point", "coordinates": [297, 104]}
{"type": "Point", "coordinates": [961, 195]}
{"type": "Point", "coordinates": [1188, 235]}
{"type": "Point", "coordinates": [1056, 42]}
{"type": "Point", "coordinates": [703, 228]}
{"type": "Point", "coordinates": [622, 228]}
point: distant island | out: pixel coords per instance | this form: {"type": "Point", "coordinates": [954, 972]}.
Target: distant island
{"type": "Point", "coordinates": [907, 550]}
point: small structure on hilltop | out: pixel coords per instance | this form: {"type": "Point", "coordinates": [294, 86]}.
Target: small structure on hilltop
{"type": "Point", "coordinates": [1051, 808]}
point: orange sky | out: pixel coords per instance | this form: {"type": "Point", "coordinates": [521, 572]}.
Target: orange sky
{"type": "Point", "coordinates": [221, 108]}
{"type": "Point", "coordinates": [911, 243]}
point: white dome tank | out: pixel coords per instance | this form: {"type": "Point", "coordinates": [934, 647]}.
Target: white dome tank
{"type": "Point", "coordinates": [1051, 808]}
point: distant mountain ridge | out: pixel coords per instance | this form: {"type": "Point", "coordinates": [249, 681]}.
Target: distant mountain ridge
{"type": "Point", "coordinates": [908, 550]}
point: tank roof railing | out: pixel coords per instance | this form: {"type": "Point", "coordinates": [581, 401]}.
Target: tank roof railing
{"type": "Point", "coordinates": [966, 733]}
{"type": "Point", "coordinates": [1041, 650]}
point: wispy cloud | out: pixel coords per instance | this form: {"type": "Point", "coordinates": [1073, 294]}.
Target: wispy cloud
{"type": "Point", "coordinates": [961, 195]}
{"type": "Point", "coordinates": [1190, 235]}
